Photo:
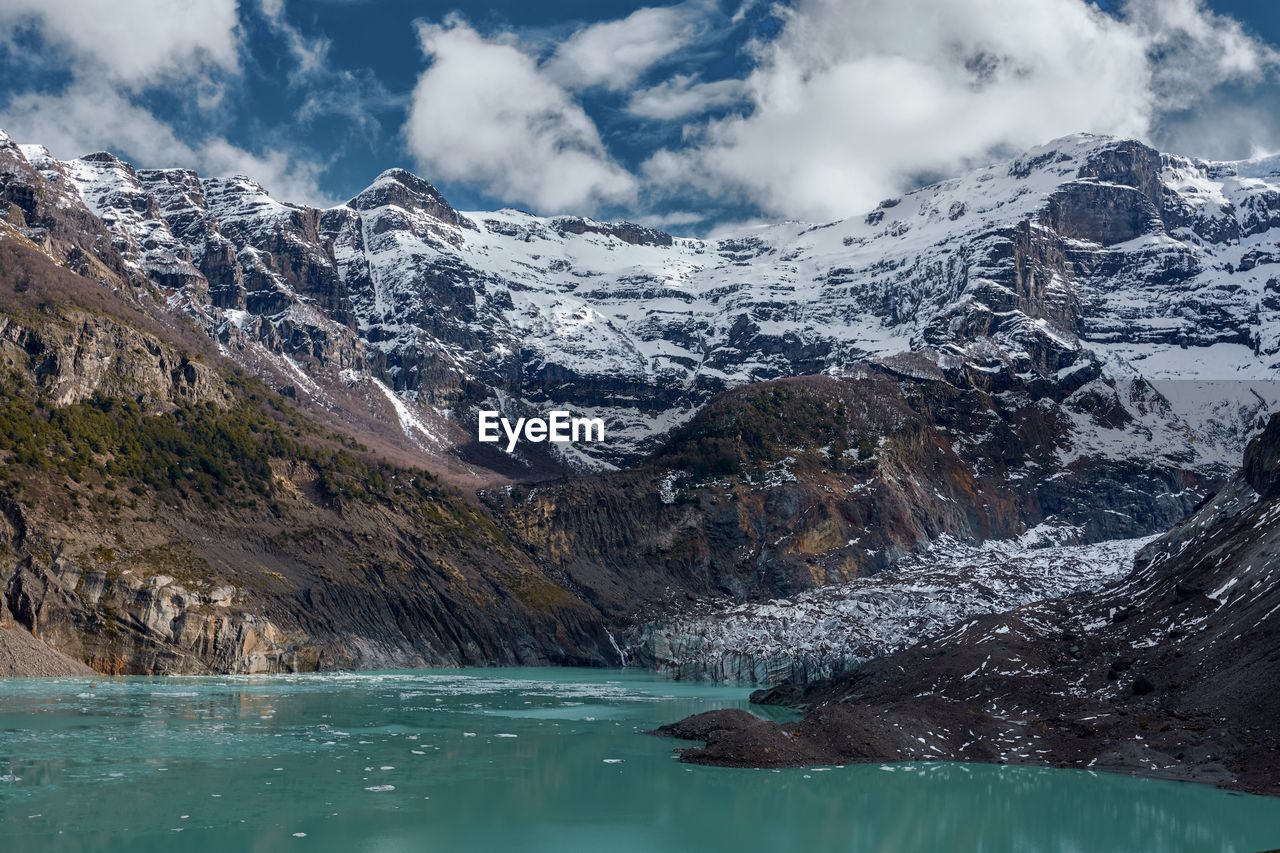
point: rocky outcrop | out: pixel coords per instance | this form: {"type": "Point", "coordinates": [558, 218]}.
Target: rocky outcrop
{"type": "Point", "coordinates": [1169, 672]}
{"type": "Point", "coordinates": [627, 232]}
{"type": "Point", "coordinates": [79, 356]}
{"type": "Point", "coordinates": [1262, 461]}
{"type": "Point", "coordinates": [22, 655]}
{"type": "Point", "coordinates": [120, 622]}
{"type": "Point", "coordinates": [47, 209]}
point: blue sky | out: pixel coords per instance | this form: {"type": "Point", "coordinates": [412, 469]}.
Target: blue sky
{"type": "Point", "coordinates": [689, 116]}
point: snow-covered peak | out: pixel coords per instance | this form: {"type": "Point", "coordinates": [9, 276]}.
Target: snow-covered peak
{"type": "Point", "coordinates": [398, 193]}
{"type": "Point", "coordinates": [35, 154]}
{"type": "Point", "coordinates": [392, 179]}
{"type": "Point", "coordinates": [1088, 249]}
{"type": "Point", "coordinates": [241, 198]}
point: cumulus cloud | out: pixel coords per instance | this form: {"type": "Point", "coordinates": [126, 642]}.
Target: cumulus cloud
{"type": "Point", "coordinates": [845, 102]}
{"type": "Point", "coordinates": [117, 53]}
{"type": "Point", "coordinates": [138, 42]}
{"type": "Point", "coordinates": [684, 95]}
{"type": "Point", "coordinates": [484, 112]}
{"type": "Point", "coordinates": [856, 99]}
{"type": "Point", "coordinates": [91, 116]}
{"type": "Point", "coordinates": [613, 54]}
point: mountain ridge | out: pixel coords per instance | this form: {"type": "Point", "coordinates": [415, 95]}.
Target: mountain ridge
{"type": "Point", "coordinates": [455, 310]}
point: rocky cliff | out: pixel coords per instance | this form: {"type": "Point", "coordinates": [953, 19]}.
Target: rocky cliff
{"type": "Point", "coordinates": [779, 487]}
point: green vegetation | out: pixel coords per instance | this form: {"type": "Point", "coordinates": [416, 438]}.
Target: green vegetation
{"type": "Point", "coordinates": [220, 455]}
{"type": "Point", "coordinates": [758, 427]}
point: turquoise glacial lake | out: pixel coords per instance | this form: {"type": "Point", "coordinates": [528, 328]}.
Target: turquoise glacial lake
{"type": "Point", "coordinates": [521, 760]}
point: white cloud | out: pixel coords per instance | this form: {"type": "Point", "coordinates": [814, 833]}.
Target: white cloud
{"type": "Point", "coordinates": [92, 116]}
{"type": "Point", "coordinates": [139, 41]}
{"type": "Point", "coordinates": [117, 52]}
{"type": "Point", "coordinates": [485, 113]}
{"type": "Point", "coordinates": [857, 98]}
{"type": "Point", "coordinates": [614, 54]}
{"type": "Point", "coordinates": [683, 96]}
{"type": "Point", "coordinates": [355, 96]}
{"type": "Point", "coordinates": [310, 55]}
{"type": "Point", "coordinates": [1197, 49]}
{"type": "Point", "coordinates": [672, 220]}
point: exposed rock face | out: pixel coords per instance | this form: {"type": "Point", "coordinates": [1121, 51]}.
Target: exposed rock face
{"type": "Point", "coordinates": [23, 655]}
{"type": "Point", "coordinates": [1262, 461]}
{"type": "Point", "coordinates": [1171, 671]}
{"type": "Point", "coordinates": [120, 622]}
{"type": "Point", "coordinates": [48, 210]}
{"type": "Point", "coordinates": [260, 600]}
{"type": "Point", "coordinates": [627, 232]}
{"type": "Point", "coordinates": [84, 355]}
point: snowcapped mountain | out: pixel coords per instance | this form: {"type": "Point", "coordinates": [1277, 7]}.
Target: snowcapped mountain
{"type": "Point", "coordinates": [1081, 338]}
{"type": "Point", "coordinates": [1091, 263]}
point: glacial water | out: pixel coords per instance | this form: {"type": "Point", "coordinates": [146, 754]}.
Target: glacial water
{"type": "Point", "coordinates": [522, 760]}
